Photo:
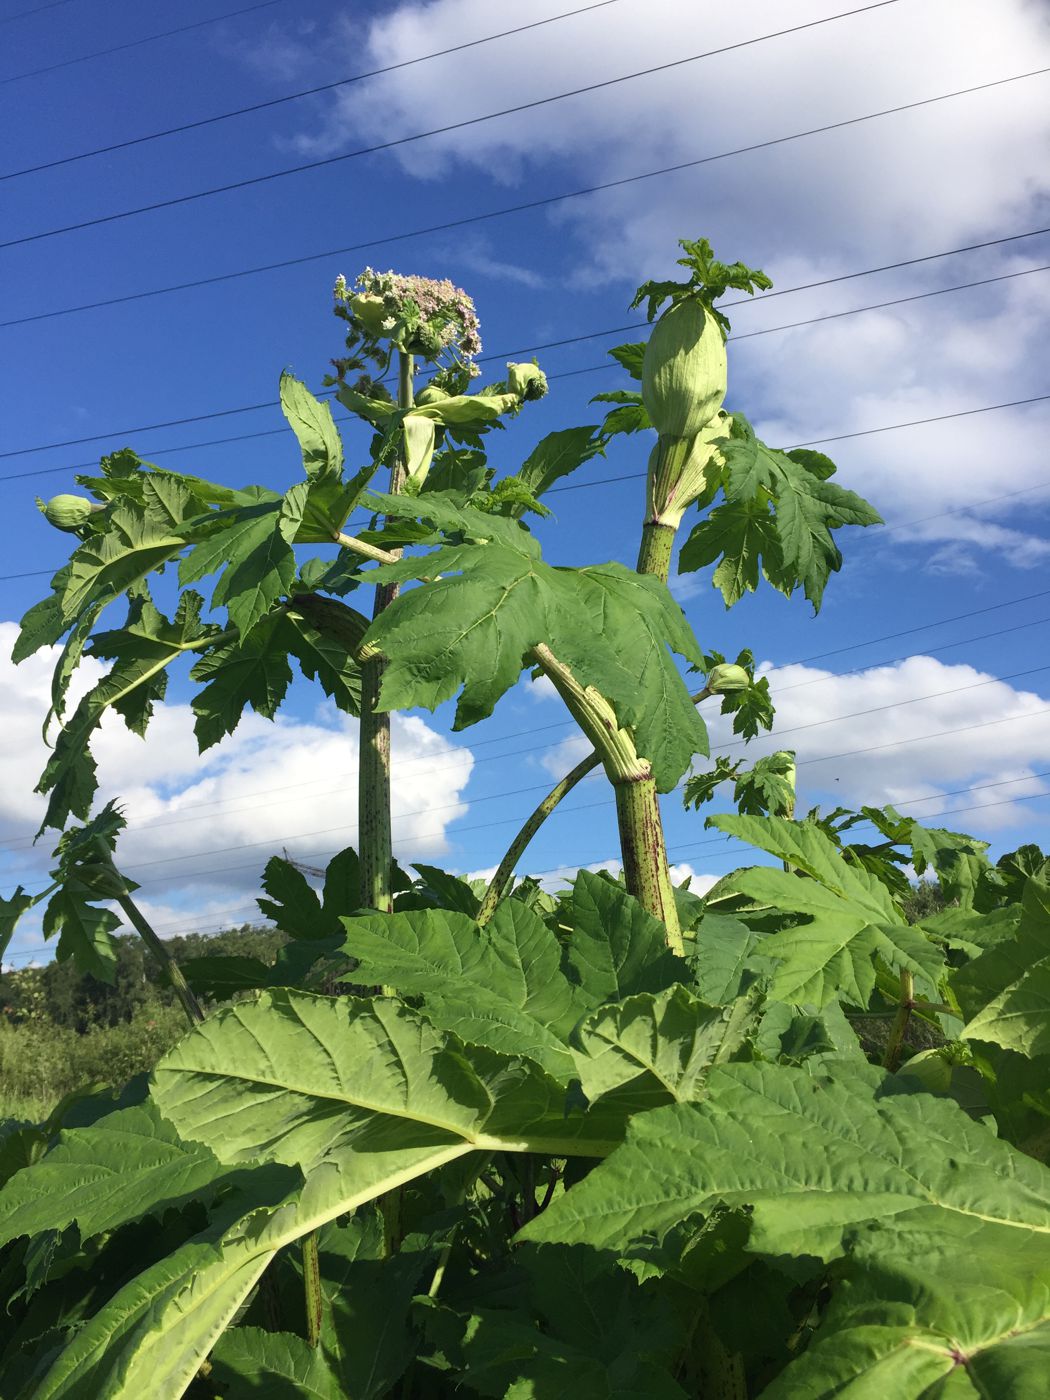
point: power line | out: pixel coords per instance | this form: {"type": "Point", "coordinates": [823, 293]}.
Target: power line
{"type": "Point", "coordinates": [895, 705]}
{"type": "Point", "coordinates": [897, 660]}
{"type": "Point", "coordinates": [776, 733]}
{"type": "Point", "coordinates": [482, 218]}
{"type": "Point", "coordinates": [135, 43]}
{"type": "Point", "coordinates": [23, 842]}
{"type": "Point", "coordinates": [690, 846]}
{"type": "Point", "coordinates": [393, 68]}
{"type": "Point", "coordinates": [28, 14]}
{"type": "Point", "coordinates": [250, 182]}
{"type": "Point", "coordinates": [312, 92]}
{"type": "Point", "coordinates": [542, 345]}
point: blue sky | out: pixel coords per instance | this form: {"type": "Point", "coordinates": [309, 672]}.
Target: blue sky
{"type": "Point", "coordinates": [898, 187]}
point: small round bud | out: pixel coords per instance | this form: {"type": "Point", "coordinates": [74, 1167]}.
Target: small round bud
{"type": "Point", "coordinates": [726, 677]}
{"type": "Point", "coordinates": [526, 381]}
{"type": "Point", "coordinates": [69, 512]}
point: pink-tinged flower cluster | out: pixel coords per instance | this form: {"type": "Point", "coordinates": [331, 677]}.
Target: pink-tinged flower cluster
{"type": "Point", "coordinates": [421, 314]}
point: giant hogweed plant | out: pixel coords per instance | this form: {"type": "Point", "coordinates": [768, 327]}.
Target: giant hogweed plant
{"type": "Point", "coordinates": [620, 1140]}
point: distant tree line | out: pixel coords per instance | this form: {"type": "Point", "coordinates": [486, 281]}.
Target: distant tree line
{"type": "Point", "coordinates": [76, 1001]}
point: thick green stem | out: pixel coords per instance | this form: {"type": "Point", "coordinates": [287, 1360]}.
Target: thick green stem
{"type": "Point", "coordinates": [366, 550]}
{"type": "Point", "coordinates": [654, 554]}
{"type": "Point", "coordinates": [373, 787]}
{"type": "Point", "coordinates": [895, 1043]}
{"type": "Point", "coordinates": [644, 853]}
{"type": "Point", "coordinates": [500, 883]}
{"type": "Point", "coordinates": [155, 944]}
{"type": "Point", "coordinates": [312, 1294]}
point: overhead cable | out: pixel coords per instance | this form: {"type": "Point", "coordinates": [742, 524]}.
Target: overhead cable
{"type": "Point", "coordinates": [177, 201]}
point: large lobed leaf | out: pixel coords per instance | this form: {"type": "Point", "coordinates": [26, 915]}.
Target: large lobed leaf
{"type": "Point", "coordinates": [363, 1096]}
{"type": "Point", "coordinates": [511, 985]}
{"type": "Point", "coordinates": [471, 630]}
{"type": "Point", "coordinates": [129, 1164]}
{"type": "Point", "coordinates": [777, 518]}
{"type": "Point", "coordinates": [961, 1310]}
{"type": "Point", "coordinates": [812, 1156]}
{"type": "Point", "coordinates": [851, 917]}
{"type": "Point", "coordinates": [1006, 991]}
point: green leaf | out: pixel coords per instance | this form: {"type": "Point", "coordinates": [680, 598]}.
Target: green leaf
{"type": "Point", "coordinates": [365, 1090]}
{"type": "Point", "coordinates": [654, 1049]}
{"type": "Point", "coordinates": [1012, 980]}
{"type": "Point", "coordinates": [724, 959]}
{"type": "Point", "coordinates": [556, 456]}
{"type": "Point", "coordinates": [295, 1078]}
{"type": "Point", "coordinates": [127, 1165]}
{"type": "Point", "coordinates": [272, 1366]}
{"type": "Point", "coordinates": [963, 1310]}
{"type": "Point", "coordinates": [501, 986]}
{"type": "Point", "coordinates": [244, 671]}
{"type": "Point", "coordinates": [293, 904]}
{"type": "Point", "coordinates": [85, 931]}
{"type": "Point", "coordinates": [585, 1329]}
{"type": "Point", "coordinates": [852, 918]}
{"type": "Point", "coordinates": [12, 907]}
{"type": "Point", "coordinates": [616, 948]}
{"type": "Point", "coordinates": [250, 548]}
{"type": "Point", "coordinates": [737, 533]}
{"type": "Point", "coordinates": [778, 509]}
{"type": "Point", "coordinates": [959, 860]}
{"type": "Point", "coordinates": [141, 651]}
{"type": "Point", "coordinates": [630, 357]}
{"type": "Point", "coordinates": [472, 628]}
{"type": "Point", "coordinates": [311, 421]}
{"type": "Point", "coordinates": [811, 1155]}
{"type": "Point", "coordinates": [105, 565]}
{"type": "Point", "coordinates": [322, 657]}
{"type": "Point", "coordinates": [366, 1329]}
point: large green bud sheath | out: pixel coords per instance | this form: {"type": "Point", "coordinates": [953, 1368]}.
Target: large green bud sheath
{"type": "Point", "coordinates": [684, 372]}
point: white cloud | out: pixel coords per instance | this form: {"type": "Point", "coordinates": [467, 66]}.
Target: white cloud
{"type": "Point", "coordinates": [900, 751]}
{"type": "Point", "coordinates": [201, 827]}
{"type": "Point", "coordinates": [698, 883]}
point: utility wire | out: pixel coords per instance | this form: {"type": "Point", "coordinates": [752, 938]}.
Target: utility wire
{"type": "Point", "coordinates": [636, 476]}
{"type": "Point", "coordinates": [323, 87]}
{"type": "Point", "coordinates": [28, 14]}
{"type": "Point", "coordinates": [475, 219]}
{"type": "Point", "coordinates": [285, 788]}
{"type": "Point", "coordinates": [776, 733]}
{"type": "Point", "coordinates": [135, 43]}
{"type": "Point", "coordinates": [549, 345]}
{"type": "Point", "coordinates": [250, 182]}
{"type": "Point", "coordinates": [395, 67]}
{"type": "Point", "coordinates": [689, 846]}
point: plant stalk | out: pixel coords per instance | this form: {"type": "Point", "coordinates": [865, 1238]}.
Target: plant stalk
{"type": "Point", "coordinates": [499, 885]}
{"type": "Point", "coordinates": [366, 550]}
{"type": "Point", "coordinates": [373, 786]}
{"type": "Point", "coordinates": [895, 1043]}
{"type": "Point", "coordinates": [654, 553]}
{"type": "Point", "coordinates": [155, 944]}
{"type": "Point", "coordinates": [644, 852]}
{"type": "Point", "coordinates": [312, 1289]}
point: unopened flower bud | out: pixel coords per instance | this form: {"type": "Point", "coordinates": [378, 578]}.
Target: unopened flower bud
{"type": "Point", "coordinates": [431, 394]}
{"type": "Point", "coordinates": [725, 677]}
{"type": "Point", "coordinates": [370, 312]}
{"type": "Point", "coordinates": [684, 372]}
{"type": "Point", "coordinates": [69, 512]}
{"type": "Point", "coordinates": [526, 381]}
